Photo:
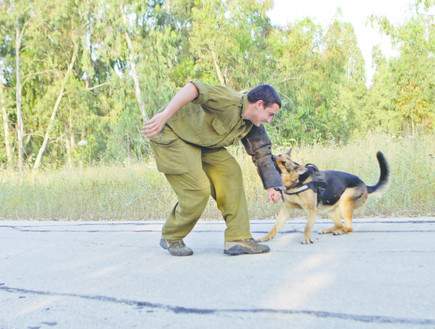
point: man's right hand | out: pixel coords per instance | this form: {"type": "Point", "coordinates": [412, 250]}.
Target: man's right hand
{"type": "Point", "coordinates": [273, 195]}
{"type": "Point", "coordinates": [187, 94]}
{"type": "Point", "coordinates": [154, 125]}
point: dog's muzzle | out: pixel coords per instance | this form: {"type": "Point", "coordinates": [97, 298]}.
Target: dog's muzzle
{"type": "Point", "coordinates": [258, 144]}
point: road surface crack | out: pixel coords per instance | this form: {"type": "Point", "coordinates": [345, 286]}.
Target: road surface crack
{"type": "Point", "coordinates": [192, 310]}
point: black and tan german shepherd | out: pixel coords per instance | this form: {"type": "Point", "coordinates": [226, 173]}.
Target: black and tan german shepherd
{"type": "Point", "coordinates": [335, 192]}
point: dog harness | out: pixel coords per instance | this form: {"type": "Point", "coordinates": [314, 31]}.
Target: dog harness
{"type": "Point", "coordinates": [316, 184]}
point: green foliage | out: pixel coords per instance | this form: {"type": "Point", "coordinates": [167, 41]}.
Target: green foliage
{"type": "Point", "coordinates": [324, 74]}
{"type": "Point", "coordinates": [409, 79]}
{"type": "Point", "coordinates": [318, 71]}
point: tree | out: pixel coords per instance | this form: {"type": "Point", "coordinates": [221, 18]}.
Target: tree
{"type": "Point", "coordinates": [6, 129]}
{"type": "Point", "coordinates": [226, 51]}
{"type": "Point", "coordinates": [132, 64]}
{"type": "Point", "coordinates": [5, 57]}
{"type": "Point", "coordinates": [21, 14]}
{"type": "Point", "coordinates": [379, 113]}
{"type": "Point", "coordinates": [56, 107]}
{"type": "Point", "coordinates": [322, 76]}
{"type": "Point", "coordinates": [412, 71]}
{"type": "Point", "coordinates": [95, 70]}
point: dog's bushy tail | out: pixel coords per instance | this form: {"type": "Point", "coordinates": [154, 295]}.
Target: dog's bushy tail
{"type": "Point", "coordinates": [382, 184]}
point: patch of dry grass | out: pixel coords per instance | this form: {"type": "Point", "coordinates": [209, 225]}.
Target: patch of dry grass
{"type": "Point", "coordinates": [139, 192]}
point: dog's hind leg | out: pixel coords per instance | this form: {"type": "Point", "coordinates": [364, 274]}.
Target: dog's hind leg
{"type": "Point", "coordinates": [347, 208]}
{"type": "Point", "coordinates": [349, 201]}
{"type": "Point", "coordinates": [335, 215]}
{"type": "Point", "coordinates": [283, 215]}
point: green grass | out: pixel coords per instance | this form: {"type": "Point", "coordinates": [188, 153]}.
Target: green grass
{"type": "Point", "coordinates": [139, 192]}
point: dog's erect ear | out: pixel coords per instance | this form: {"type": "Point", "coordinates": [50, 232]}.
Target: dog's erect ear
{"type": "Point", "coordinates": [289, 153]}
{"type": "Point", "coordinates": [300, 170]}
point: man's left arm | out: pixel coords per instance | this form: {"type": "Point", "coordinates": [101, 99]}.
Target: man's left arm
{"type": "Point", "coordinates": [258, 144]}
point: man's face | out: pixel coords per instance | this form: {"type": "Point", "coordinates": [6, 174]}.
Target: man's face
{"type": "Point", "coordinates": [263, 114]}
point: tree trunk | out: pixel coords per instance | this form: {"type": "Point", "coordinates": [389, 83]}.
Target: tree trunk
{"type": "Point", "coordinates": [6, 127]}
{"type": "Point", "coordinates": [20, 125]}
{"type": "Point", "coordinates": [70, 142]}
{"type": "Point", "coordinates": [134, 74]}
{"type": "Point", "coordinates": [218, 69]}
{"type": "Point", "coordinates": [56, 106]}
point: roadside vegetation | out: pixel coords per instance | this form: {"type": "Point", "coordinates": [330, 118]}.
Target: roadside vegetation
{"type": "Point", "coordinates": [136, 191]}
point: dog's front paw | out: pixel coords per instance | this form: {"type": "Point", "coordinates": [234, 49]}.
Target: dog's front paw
{"type": "Point", "coordinates": [263, 239]}
{"type": "Point", "coordinates": [334, 230]}
{"type": "Point", "coordinates": [307, 240]}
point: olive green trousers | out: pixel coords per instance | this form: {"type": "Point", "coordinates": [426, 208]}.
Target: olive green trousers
{"type": "Point", "coordinates": [194, 174]}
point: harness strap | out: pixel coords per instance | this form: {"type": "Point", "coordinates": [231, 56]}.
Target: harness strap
{"type": "Point", "coordinates": [313, 185]}
{"type": "Point", "coordinates": [302, 188]}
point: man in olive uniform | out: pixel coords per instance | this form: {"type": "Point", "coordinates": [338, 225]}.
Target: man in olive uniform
{"type": "Point", "coordinates": [189, 137]}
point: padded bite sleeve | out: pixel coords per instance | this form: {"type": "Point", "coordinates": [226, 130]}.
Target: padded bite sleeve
{"type": "Point", "coordinates": [258, 145]}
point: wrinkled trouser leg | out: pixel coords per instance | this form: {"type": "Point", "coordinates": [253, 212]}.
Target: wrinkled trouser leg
{"type": "Point", "coordinates": [227, 189]}
{"type": "Point", "coordinates": [218, 174]}
{"type": "Point", "coordinates": [193, 192]}
{"type": "Point", "coordinates": [194, 174]}
{"type": "Point", "coordinates": [192, 197]}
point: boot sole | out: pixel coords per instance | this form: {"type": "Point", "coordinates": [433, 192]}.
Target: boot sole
{"type": "Point", "coordinates": [240, 250]}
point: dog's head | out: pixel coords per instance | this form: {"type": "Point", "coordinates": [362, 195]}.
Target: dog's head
{"type": "Point", "coordinates": [289, 170]}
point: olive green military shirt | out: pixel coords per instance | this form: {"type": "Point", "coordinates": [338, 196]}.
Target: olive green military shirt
{"type": "Point", "coordinates": [214, 119]}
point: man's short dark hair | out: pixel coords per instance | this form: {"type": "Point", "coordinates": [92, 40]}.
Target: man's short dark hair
{"type": "Point", "coordinates": [265, 93]}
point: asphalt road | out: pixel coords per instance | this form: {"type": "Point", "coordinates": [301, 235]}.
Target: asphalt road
{"type": "Point", "coordinates": [115, 275]}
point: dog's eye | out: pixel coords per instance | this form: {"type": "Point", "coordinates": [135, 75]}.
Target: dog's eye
{"type": "Point", "coordinates": [283, 163]}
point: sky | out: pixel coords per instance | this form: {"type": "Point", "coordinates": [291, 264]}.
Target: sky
{"type": "Point", "coordinates": [354, 12]}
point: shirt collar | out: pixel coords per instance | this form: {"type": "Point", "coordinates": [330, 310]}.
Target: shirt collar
{"type": "Point", "coordinates": [243, 104]}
